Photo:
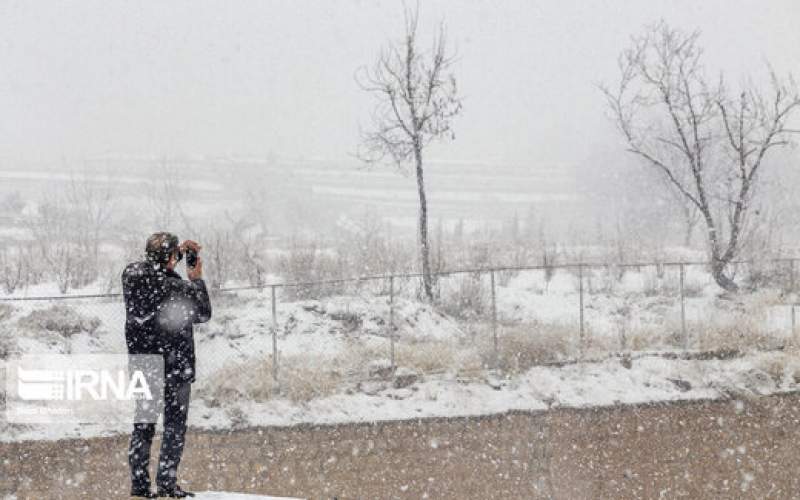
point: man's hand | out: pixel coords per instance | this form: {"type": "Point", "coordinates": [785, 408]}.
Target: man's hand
{"type": "Point", "coordinates": [196, 272]}
{"type": "Point", "coordinates": [190, 244]}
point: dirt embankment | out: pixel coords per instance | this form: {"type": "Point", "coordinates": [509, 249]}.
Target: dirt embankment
{"type": "Point", "coordinates": [716, 450]}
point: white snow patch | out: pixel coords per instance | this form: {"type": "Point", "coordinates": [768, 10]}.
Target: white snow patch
{"type": "Point", "coordinates": [607, 383]}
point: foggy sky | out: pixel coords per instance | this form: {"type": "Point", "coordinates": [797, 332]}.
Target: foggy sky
{"type": "Point", "coordinates": [253, 78]}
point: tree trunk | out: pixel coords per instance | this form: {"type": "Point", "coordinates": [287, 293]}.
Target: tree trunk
{"type": "Point", "coordinates": [719, 262]}
{"type": "Point", "coordinates": [427, 279]}
{"type": "Point", "coordinates": [722, 279]}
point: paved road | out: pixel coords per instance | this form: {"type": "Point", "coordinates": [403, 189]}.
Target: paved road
{"type": "Point", "coordinates": [723, 449]}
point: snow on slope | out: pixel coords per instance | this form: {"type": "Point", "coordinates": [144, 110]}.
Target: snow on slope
{"type": "Point", "coordinates": [240, 334]}
{"type": "Point", "coordinates": [650, 378]}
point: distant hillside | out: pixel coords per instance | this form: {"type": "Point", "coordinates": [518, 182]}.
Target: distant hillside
{"type": "Point", "coordinates": [469, 191]}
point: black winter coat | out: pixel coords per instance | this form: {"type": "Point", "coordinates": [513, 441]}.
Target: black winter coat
{"type": "Point", "coordinates": [161, 309]}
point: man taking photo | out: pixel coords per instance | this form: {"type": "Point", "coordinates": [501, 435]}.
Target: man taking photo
{"type": "Point", "coordinates": [161, 309]}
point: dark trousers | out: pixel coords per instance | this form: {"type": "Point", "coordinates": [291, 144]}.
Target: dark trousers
{"type": "Point", "coordinates": [176, 409]}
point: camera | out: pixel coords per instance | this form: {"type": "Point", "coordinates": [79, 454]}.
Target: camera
{"type": "Point", "coordinates": [191, 257]}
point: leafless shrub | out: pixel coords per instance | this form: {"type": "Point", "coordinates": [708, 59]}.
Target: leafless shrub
{"type": "Point", "coordinates": [548, 261]}
{"type": "Point", "coordinates": [59, 319]}
{"type": "Point", "coordinates": [365, 246]}
{"type": "Point", "coordinates": [7, 344]}
{"type": "Point", "coordinates": [7, 340]}
{"type": "Point", "coordinates": [763, 273]}
{"type": "Point", "coordinates": [254, 261]}
{"type": "Point", "coordinates": [746, 334]}
{"type": "Point", "coordinates": [464, 295]}
{"type": "Point", "coordinates": [658, 281]}
{"type": "Point", "coordinates": [13, 270]}
{"type": "Point", "coordinates": [438, 357]}
{"type": "Point", "coordinates": [654, 337]}
{"type": "Point", "coordinates": [305, 264]}
{"type": "Point", "coordinates": [5, 311]}
{"type": "Point", "coordinates": [301, 379]}
{"type": "Point", "coordinates": [307, 377]}
{"type": "Point", "coordinates": [523, 346]}
{"type": "Point", "coordinates": [218, 253]}
{"type": "Point", "coordinates": [783, 368]}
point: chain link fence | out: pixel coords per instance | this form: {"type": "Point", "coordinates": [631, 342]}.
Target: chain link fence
{"type": "Point", "coordinates": [311, 339]}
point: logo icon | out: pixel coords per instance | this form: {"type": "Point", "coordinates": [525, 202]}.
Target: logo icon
{"type": "Point", "coordinates": [84, 388]}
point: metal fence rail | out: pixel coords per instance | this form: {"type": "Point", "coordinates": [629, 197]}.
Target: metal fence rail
{"type": "Point", "coordinates": [392, 287]}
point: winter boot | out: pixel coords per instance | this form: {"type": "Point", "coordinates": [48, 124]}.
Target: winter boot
{"type": "Point", "coordinates": [174, 492]}
{"type": "Point", "coordinates": [142, 493]}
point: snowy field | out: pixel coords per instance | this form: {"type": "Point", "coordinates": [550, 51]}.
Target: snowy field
{"type": "Point", "coordinates": [334, 351]}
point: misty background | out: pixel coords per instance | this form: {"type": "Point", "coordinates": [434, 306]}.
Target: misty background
{"type": "Point", "coordinates": [240, 121]}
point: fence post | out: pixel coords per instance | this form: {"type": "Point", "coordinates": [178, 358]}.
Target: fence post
{"type": "Point", "coordinates": [794, 324]}
{"type": "Point", "coordinates": [791, 275]}
{"type": "Point", "coordinates": [494, 320]}
{"type": "Point", "coordinates": [67, 344]}
{"type": "Point", "coordinates": [391, 322]}
{"type": "Point", "coordinates": [274, 337]}
{"type": "Point", "coordinates": [580, 304]}
{"type": "Point", "coordinates": [684, 331]}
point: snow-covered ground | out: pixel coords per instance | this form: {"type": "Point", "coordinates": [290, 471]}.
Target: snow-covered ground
{"type": "Point", "coordinates": [333, 352]}
{"type": "Point", "coordinates": [649, 378]}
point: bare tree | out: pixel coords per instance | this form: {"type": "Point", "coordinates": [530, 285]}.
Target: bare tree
{"type": "Point", "coordinates": [166, 196]}
{"type": "Point", "coordinates": [89, 201]}
{"type": "Point", "coordinates": [12, 269]}
{"type": "Point", "coordinates": [67, 229]}
{"type": "Point", "coordinates": [416, 101]}
{"type": "Point", "coordinates": [709, 146]}
{"type": "Point", "coordinates": [52, 230]}
{"type": "Point", "coordinates": [222, 247]}
{"type": "Point", "coordinates": [17, 266]}
{"type": "Point", "coordinates": [365, 246]}
{"type": "Point", "coordinates": [253, 259]}
{"type": "Point", "coordinates": [218, 250]}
